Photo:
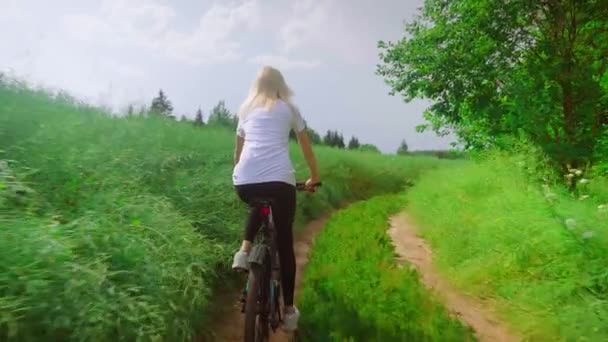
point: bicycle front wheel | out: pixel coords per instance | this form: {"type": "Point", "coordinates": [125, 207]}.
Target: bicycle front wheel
{"type": "Point", "coordinates": [256, 305]}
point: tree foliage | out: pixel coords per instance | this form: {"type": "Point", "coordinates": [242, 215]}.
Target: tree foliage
{"type": "Point", "coordinates": [198, 119]}
{"type": "Point", "coordinates": [369, 148]}
{"type": "Point", "coordinates": [403, 148]}
{"type": "Point", "coordinates": [334, 139]}
{"type": "Point", "coordinates": [314, 137]}
{"type": "Point", "coordinates": [353, 144]}
{"type": "Point", "coordinates": [221, 116]}
{"type": "Point", "coordinates": [494, 68]}
{"type": "Point", "coordinates": [130, 111]}
{"type": "Point", "coordinates": [161, 105]}
{"type": "Point", "coordinates": [142, 111]}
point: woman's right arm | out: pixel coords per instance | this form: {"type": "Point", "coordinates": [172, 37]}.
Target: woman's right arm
{"type": "Point", "coordinates": [238, 149]}
{"type": "Point", "coordinates": [306, 147]}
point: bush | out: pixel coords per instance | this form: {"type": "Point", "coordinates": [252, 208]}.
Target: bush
{"type": "Point", "coordinates": [601, 155]}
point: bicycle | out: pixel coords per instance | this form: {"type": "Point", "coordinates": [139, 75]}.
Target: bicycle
{"type": "Point", "coordinates": [260, 297]}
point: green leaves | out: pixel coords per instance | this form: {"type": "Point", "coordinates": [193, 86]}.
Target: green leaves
{"type": "Point", "coordinates": [468, 57]}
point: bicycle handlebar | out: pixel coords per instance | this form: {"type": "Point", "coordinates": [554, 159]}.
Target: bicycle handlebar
{"type": "Point", "coordinates": [301, 186]}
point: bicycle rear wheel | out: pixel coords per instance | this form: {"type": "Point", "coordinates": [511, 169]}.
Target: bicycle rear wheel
{"type": "Point", "coordinates": [256, 305]}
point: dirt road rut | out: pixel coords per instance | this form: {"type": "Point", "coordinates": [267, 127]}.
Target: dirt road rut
{"type": "Point", "coordinates": [412, 249]}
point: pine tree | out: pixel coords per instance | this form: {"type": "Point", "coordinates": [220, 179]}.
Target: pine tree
{"type": "Point", "coordinates": [315, 138]}
{"type": "Point", "coordinates": [142, 111]}
{"type": "Point", "coordinates": [353, 144]}
{"type": "Point", "coordinates": [198, 119]}
{"type": "Point", "coordinates": [402, 148]}
{"type": "Point", "coordinates": [130, 111]}
{"type": "Point", "coordinates": [328, 139]}
{"type": "Point", "coordinates": [220, 115]}
{"type": "Point", "coordinates": [161, 105]}
{"type": "Point", "coordinates": [340, 141]}
{"type": "Point", "coordinates": [333, 139]}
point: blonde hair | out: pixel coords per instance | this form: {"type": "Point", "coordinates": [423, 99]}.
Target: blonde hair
{"type": "Point", "coordinates": [268, 88]}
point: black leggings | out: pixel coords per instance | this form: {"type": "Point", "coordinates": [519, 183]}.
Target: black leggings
{"type": "Point", "coordinates": [283, 211]}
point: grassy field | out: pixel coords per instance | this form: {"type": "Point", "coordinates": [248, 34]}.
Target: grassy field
{"type": "Point", "coordinates": [536, 252]}
{"type": "Point", "coordinates": [123, 227]}
{"type": "Point", "coordinates": [354, 291]}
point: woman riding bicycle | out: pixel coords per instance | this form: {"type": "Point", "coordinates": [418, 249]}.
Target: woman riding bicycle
{"type": "Point", "coordinates": [263, 169]}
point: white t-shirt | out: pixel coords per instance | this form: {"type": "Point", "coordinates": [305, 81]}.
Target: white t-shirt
{"type": "Point", "coordinates": [265, 155]}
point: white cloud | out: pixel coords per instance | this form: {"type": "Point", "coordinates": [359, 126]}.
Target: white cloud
{"type": "Point", "coordinates": [283, 62]}
{"type": "Point", "coordinates": [211, 41]}
{"type": "Point", "coordinates": [326, 26]}
{"type": "Point", "coordinates": [306, 24]}
{"type": "Point", "coordinates": [148, 24]}
{"type": "Point", "coordinates": [302, 26]}
{"type": "Point", "coordinates": [122, 69]}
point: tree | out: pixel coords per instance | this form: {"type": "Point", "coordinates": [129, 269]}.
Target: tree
{"type": "Point", "coordinates": [328, 139]}
{"type": "Point", "coordinates": [494, 68]}
{"type": "Point", "coordinates": [142, 111]}
{"type": "Point", "coordinates": [161, 105]}
{"type": "Point", "coordinates": [221, 116]}
{"type": "Point", "coordinates": [198, 119]}
{"type": "Point", "coordinates": [353, 144]}
{"type": "Point", "coordinates": [369, 148]}
{"type": "Point", "coordinates": [341, 141]}
{"type": "Point", "coordinates": [130, 111]}
{"type": "Point", "coordinates": [313, 136]}
{"type": "Point", "coordinates": [183, 118]}
{"type": "Point", "coordinates": [403, 149]}
{"type": "Point", "coordinates": [333, 139]}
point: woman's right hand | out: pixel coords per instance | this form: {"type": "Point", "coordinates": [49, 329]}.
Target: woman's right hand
{"type": "Point", "coordinates": [312, 183]}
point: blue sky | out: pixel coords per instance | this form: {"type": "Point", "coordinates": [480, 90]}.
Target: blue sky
{"type": "Point", "coordinates": [120, 52]}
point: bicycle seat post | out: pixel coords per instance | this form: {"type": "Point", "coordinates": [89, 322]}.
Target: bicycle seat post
{"type": "Point", "coordinates": [265, 208]}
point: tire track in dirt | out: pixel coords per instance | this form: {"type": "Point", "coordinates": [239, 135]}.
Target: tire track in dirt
{"type": "Point", "coordinates": [228, 325]}
{"type": "Point", "coordinates": [412, 249]}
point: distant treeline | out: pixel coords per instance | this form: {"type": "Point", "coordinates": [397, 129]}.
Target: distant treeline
{"type": "Point", "coordinates": [219, 115]}
{"type": "Point", "coordinates": [441, 154]}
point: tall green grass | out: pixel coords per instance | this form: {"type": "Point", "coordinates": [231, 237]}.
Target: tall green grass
{"type": "Point", "coordinates": [536, 252]}
{"type": "Point", "coordinates": [122, 228]}
{"type": "Point", "coordinates": [354, 291]}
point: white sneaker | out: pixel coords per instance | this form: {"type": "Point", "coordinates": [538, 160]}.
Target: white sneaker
{"type": "Point", "coordinates": [290, 320]}
{"type": "Point", "coordinates": [240, 262]}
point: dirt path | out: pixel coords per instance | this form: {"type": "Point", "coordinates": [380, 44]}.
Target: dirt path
{"type": "Point", "coordinates": [472, 311]}
{"type": "Point", "coordinates": [228, 325]}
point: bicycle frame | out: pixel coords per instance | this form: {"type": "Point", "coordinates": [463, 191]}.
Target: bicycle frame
{"type": "Point", "coordinates": [264, 254]}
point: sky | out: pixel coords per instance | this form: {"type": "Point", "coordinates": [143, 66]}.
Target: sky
{"type": "Point", "coordinates": [120, 52]}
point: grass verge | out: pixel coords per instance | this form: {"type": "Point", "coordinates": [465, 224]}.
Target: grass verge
{"type": "Point", "coordinates": [537, 253]}
{"type": "Point", "coordinates": [354, 291]}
